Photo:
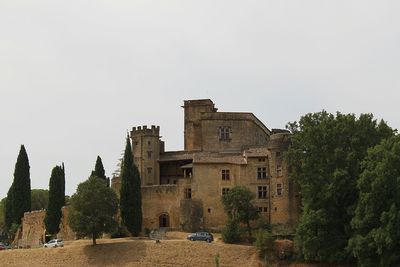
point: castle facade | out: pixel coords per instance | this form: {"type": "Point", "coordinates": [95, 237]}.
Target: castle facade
{"type": "Point", "coordinates": [183, 189]}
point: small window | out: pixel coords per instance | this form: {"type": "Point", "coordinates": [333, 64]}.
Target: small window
{"type": "Point", "coordinates": [262, 192]}
{"type": "Point", "coordinates": [260, 209]}
{"type": "Point", "coordinates": [279, 189]}
{"type": "Point", "coordinates": [149, 170]}
{"type": "Point", "coordinates": [149, 154]}
{"type": "Point", "coordinates": [278, 154]}
{"type": "Point", "coordinates": [149, 143]}
{"type": "Point", "coordinates": [225, 175]}
{"type": "Point", "coordinates": [262, 173]}
{"type": "Point", "coordinates": [279, 170]}
{"type": "Point", "coordinates": [261, 159]}
{"type": "Point", "coordinates": [188, 193]}
{"type": "Point", "coordinates": [209, 210]}
{"type": "Point", "coordinates": [276, 209]}
{"type": "Point", "coordinates": [224, 133]}
{"type": "Point", "coordinates": [225, 191]}
{"type": "Point", "coordinates": [265, 209]}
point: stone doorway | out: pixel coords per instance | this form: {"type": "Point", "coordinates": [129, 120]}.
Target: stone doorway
{"type": "Point", "coordinates": [164, 220]}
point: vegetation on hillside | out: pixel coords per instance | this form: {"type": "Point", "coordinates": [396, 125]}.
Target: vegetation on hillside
{"type": "Point", "coordinates": [325, 159]}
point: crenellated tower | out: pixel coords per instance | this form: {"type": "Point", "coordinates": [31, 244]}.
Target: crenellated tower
{"type": "Point", "coordinates": [146, 146]}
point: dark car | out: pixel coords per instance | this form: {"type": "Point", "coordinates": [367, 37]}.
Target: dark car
{"type": "Point", "coordinates": [3, 246]}
{"type": "Point", "coordinates": [202, 236]}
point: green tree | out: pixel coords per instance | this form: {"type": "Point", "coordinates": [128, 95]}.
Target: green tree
{"type": "Point", "coordinates": [56, 200]}
{"type": "Point", "coordinates": [93, 208]}
{"type": "Point", "coordinates": [264, 242]}
{"type": "Point", "coordinates": [2, 214]}
{"type": "Point", "coordinates": [99, 171]}
{"type": "Point", "coordinates": [130, 193]}
{"type": "Point", "coordinates": [21, 197]}
{"type": "Point", "coordinates": [230, 233]}
{"type": "Point", "coordinates": [8, 211]}
{"type": "Point", "coordinates": [377, 217]}
{"type": "Point", "coordinates": [325, 157]}
{"type": "Point", "coordinates": [238, 204]}
{"type": "Point", "coordinates": [39, 199]}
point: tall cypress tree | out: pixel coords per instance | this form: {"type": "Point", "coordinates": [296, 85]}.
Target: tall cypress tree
{"type": "Point", "coordinates": [99, 171]}
{"type": "Point", "coordinates": [56, 200]}
{"type": "Point", "coordinates": [8, 212]}
{"type": "Point", "coordinates": [137, 203]}
{"type": "Point", "coordinates": [21, 195]}
{"type": "Point", "coordinates": [130, 197]}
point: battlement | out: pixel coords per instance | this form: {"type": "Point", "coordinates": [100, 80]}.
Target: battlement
{"type": "Point", "coordinates": [144, 130]}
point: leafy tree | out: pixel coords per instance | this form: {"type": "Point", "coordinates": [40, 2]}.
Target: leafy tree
{"type": "Point", "coordinates": [99, 171]}
{"type": "Point", "coordinates": [130, 194]}
{"type": "Point", "coordinates": [377, 217]}
{"type": "Point", "coordinates": [39, 199]}
{"type": "Point", "coordinates": [93, 208]}
{"type": "Point", "coordinates": [325, 159]}
{"type": "Point", "coordinates": [2, 213]}
{"type": "Point", "coordinates": [239, 207]}
{"type": "Point", "coordinates": [21, 196]}
{"type": "Point", "coordinates": [56, 200]}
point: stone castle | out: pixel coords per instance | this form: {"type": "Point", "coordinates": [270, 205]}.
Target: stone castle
{"type": "Point", "coordinates": [182, 189]}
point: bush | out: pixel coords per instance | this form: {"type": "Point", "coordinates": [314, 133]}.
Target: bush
{"type": "Point", "coordinates": [119, 232]}
{"type": "Point", "coordinates": [264, 242]}
{"type": "Point", "coordinates": [230, 234]}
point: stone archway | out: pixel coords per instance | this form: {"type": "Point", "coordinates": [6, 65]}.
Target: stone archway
{"type": "Point", "coordinates": [163, 220]}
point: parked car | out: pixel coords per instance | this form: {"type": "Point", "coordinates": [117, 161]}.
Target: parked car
{"type": "Point", "coordinates": [54, 243]}
{"type": "Point", "coordinates": [202, 236]}
{"type": "Point", "coordinates": [4, 246]}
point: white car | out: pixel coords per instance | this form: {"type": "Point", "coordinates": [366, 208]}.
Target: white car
{"type": "Point", "coordinates": [54, 243]}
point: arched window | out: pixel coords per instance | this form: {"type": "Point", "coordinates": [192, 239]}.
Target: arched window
{"type": "Point", "coordinates": [164, 220]}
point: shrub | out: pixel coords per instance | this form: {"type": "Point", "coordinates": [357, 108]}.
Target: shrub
{"type": "Point", "coordinates": [230, 234]}
{"type": "Point", "coordinates": [264, 242]}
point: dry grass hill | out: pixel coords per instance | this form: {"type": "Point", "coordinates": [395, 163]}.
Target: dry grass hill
{"type": "Point", "coordinates": [127, 252]}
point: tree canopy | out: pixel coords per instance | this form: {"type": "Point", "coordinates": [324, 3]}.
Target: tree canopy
{"type": "Point", "coordinates": [377, 217]}
{"type": "Point", "coordinates": [130, 193]}
{"type": "Point", "coordinates": [238, 204]}
{"type": "Point", "coordinates": [325, 160]}
{"type": "Point", "coordinates": [56, 200]}
{"type": "Point", "coordinates": [99, 171]}
{"type": "Point", "coordinates": [39, 199]}
{"type": "Point", "coordinates": [93, 208]}
{"type": "Point", "coordinates": [19, 194]}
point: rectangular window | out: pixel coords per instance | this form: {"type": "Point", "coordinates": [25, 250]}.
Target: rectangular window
{"type": "Point", "coordinates": [149, 154]}
{"type": "Point", "coordinates": [279, 189]}
{"type": "Point", "coordinates": [265, 209]}
{"type": "Point", "coordinates": [261, 159]}
{"type": "Point", "coordinates": [279, 170]}
{"type": "Point", "coordinates": [260, 209]}
{"type": "Point", "coordinates": [224, 133]}
{"type": "Point", "coordinates": [225, 191]}
{"type": "Point", "coordinates": [188, 193]}
{"type": "Point", "coordinates": [262, 192]}
{"type": "Point", "coordinates": [225, 175]}
{"type": "Point", "coordinates": [262, 173]}
{"type": "Point", "coordinates": [149, 170]}
{"type": "Point", "coordinates": [278, 154]}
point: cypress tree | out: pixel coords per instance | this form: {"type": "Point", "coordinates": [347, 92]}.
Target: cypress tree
{"type": "Point", "coordinates": [99, 171]}
{"type": "Point", "coordinates": [8, 212]}
{"type": "Point", "coordinates": [56, 200]}
{"type": "Point", "coordinates": [21, 195]}
{"type": "Point", "coordinates": [130, 197]}
{"type": "Point", "coordinates": [137, 203]}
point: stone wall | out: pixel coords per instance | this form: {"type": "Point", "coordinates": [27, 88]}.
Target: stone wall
{"type": "Point", "coordinates": [33, 229]}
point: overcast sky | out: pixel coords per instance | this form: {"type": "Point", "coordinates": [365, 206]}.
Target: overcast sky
{"type": "Point", "coordinates": [75, 76]}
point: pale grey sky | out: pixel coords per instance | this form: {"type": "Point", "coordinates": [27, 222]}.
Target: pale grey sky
{"type": "Point", "coordinates": [76, 75]}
